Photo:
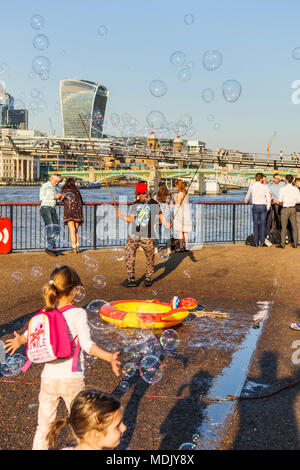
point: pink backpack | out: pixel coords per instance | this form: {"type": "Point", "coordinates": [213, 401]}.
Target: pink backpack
{"type": "Point", "coordinates": [48, 339]}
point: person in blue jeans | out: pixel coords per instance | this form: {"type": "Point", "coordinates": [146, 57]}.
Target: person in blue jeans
{"type": "Point", "coordinates": [48, 197]}
{"type": "Point", "coordinates": [261, 203]}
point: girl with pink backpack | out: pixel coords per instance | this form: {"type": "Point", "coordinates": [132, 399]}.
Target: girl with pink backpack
{"type": "Point", "coordinates": [57, 336]}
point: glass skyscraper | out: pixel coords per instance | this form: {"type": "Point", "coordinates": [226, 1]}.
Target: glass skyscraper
{"type": "Point", "coordinates": [84, 98]}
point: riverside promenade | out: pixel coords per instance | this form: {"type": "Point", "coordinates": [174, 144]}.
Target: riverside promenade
{"type": "Point", "coordinates": [233, 279]}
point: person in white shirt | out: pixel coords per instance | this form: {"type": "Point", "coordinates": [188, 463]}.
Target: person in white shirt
{"type": "Point", "coordinates": [288, 197]}
{"type": "Point", "coordinates": [58, 379]}
{"type": "Point", "coordinates": [261, 203]}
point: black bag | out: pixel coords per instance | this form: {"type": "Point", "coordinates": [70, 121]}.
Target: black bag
{"type": "Point", "coordinates": [275, 236]}
{"type": "Point", "coordinates": [250, 239]}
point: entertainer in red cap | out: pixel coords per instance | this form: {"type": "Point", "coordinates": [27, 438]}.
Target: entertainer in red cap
{"type": "Point", "coordinates": [144, 214]}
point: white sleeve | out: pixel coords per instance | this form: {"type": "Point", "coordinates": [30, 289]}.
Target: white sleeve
{"type": "Point", "coordinates": [268, 198]}
{"type": "Point", "coordinates": [280, 195]}
{"type": "Point", "coordinates": [248, 195]}
{"type": "Point", "coordinates": [83, 331]}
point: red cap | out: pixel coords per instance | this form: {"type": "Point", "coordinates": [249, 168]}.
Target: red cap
{"type": "Point", "coordinates": [141, 188]}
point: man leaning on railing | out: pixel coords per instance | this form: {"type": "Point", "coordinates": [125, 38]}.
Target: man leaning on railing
{"type": "Point", "coordinates": [49, 195]}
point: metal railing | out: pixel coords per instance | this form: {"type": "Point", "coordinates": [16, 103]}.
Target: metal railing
{"type": "Point", "coordinates": [213, 223]}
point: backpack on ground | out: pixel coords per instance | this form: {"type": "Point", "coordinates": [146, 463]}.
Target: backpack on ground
{"type": "Point", "coordinates": [250, 239]}
{"type": "Point", "coordinates": [275, 236]}
{"type": "Point", "coordinates": [48, 339]}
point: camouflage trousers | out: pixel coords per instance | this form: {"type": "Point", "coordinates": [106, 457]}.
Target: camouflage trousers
{"type": "Point", "coordinates": [147, 245]}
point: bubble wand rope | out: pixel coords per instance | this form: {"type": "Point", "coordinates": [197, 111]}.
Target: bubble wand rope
{"type": "Point", "coordinates": [172, 221]}
{"type": "Point", "coordinates": [98, 161]}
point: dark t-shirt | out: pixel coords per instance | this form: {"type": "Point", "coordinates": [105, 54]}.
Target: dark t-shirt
{"type": "Point", "coordinates": [146, 218]}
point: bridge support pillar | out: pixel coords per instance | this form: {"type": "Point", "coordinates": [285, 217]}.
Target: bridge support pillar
{"type": "Point", "coordinates": [154, 178]}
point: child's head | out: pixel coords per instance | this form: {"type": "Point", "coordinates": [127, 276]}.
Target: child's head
{"type": "Point", "coordinates": [96, 419]}
{"type": "Point", "coordinates": [62, 282]}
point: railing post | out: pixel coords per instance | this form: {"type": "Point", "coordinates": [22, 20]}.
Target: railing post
{"type": "Point", "coordinates": [233, 223]}
{"type": "Point", "coordinates": [95, 225]}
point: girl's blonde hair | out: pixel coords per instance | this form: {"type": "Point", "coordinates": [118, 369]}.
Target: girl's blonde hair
{"type": "Point", "coordinates": [62, 281]}
{"type": "Point", "coordinates": [181, 186]}
{"type": "Point", "coordinates": [90, 409]}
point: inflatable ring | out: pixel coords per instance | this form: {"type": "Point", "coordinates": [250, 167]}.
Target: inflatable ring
{"type": "Point", "coordinates": [144, 313]}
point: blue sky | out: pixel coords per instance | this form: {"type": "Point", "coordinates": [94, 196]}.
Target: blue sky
{"type": "Point", "coordinates": [256, 39]}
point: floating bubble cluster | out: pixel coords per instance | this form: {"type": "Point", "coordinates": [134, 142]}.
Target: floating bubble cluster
{"type": "Point", "coordinates": [158, 88]}
{"type": "Point", "coordinates": [212, 60]}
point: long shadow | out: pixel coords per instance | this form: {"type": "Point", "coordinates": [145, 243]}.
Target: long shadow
{"type": "Point", "coordinates": [270, 423]}
{"type": "Point", "coordinates": [187, 415]}
{"type": "Point", "coordinates": [170, 265]}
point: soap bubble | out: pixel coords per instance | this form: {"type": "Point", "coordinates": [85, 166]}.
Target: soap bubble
{"type": "Point", "coordinates": [187, 446]}
{"type": "Point", "coordinates": [231, 90]}
{"type": "Point", "coordinates": [99, 281]}
{"type": "Point", "coordinates": [36, 271]}
{"type": "Point", "coordinates": [79, 292]}
{"type": "Point", "coordinates": [169, 339]}
{"type": "Point", "coordinates": [129, 370]}
{"type": "Point", "coordinates": [217, 126]}
{"type": "Point", "coordinates": [3, 67]}
{"type": "Point", "coordinates": [177, 58]}
{"type": "Point", "coordinates": [86, 238]}
{"type": "Point", "coordinates": [35, 93]}
{"type": "Point", "coordinates": [187, 274]}
{"type": "Point", "coordinates": [210, 117]}
{"type": "Point", "coordinates": [212, 60]}
{"type": "Point", "coordinates": [37, 22]}
{"type": "Point", "coordinates": [92, 265]}
{"type": "Point", "coordinates": [41, 66]}
{"type": "Point", "coordinates": [184, 74]}
{"type": "Point", "coordinates": [186, 119]}
{"type": "Point", "coordinates": [17, 276]}
{"type": "Point", "coordinates": [151, 369]}
{"type": "Point", "coordinates": [19, 104]}
{"type": "Point", "coordinates": [6, 370]}
{"type": "Point", "coordinates": [41, 42]}
{"type": "Point", "coordinates": [190, 64]}
{"type": "Point", "coordinates": [155, 119]}
{"type": "Point", "coordinates": [296, 53]}
{"type": "Point", "coordinates": [149, 347]}
{"type": "Point", "coordinates": [117, 254]}
{"type": "Point", "coordinates": [207, 95]}
{"type": "Point", "coordinates": [124, 386]}
{"type": "Point", "coordinates": [21, 359]}
{"type": "Point", "coordinates": [102, 30]}
{"type": "Point", "coordinates": [69, 197]}
{"type": "Point", "coordinates": [158, 88]}
{"type": "Point", "coordinates": [191, 132]}
{"type": "Point", "coordinates": [195, 438]}
{"type": "Point", "coordinates": [14, 364]}
{"type": "Point", "coordinates": [115, 119]}
{"type": "Point", "coordinates": [93, 313]}
{"type": "Point", "coordinates": [89, 360]}
{"type": "Point", "coordinates": [189, 18]}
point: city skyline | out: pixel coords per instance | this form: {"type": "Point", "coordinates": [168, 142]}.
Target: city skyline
{"type": "Point", "coordinates": [128, 46]}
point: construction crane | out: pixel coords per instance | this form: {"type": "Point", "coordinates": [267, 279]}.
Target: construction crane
{"type": "Point", "coordinates": [269, 144]}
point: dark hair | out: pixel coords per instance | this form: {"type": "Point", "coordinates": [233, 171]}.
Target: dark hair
{"type": "Point", "coordinates": [259, 176]}
{"type": "Point", "coordinates": [62, 281]}
{"type": "Point", "coordinates": [296, 180]}
{"type": "Point", "coordinates": [90, 409]}
{"type": "Point", "coordinates": [163, 192]}
{"type": "Point", "coordinates": [289, 178]}
{"type": "Point", "coordinates": [69, 183]}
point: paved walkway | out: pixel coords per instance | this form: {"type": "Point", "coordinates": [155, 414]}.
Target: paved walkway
{"type": "Point", "coordinates": [226, 277]}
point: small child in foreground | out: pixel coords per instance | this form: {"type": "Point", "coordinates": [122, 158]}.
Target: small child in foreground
{"type": "Point", "coordinates": [96, 420]}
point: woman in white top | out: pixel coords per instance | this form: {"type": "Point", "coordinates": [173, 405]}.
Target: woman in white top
{"type": "Point", "coordinates": [182, 216]}
{"type": "Point", "coordinates": [58, 380]}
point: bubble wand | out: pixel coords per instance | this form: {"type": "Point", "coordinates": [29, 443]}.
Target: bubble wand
{"type": "Point", "coordinates": [98, 161]}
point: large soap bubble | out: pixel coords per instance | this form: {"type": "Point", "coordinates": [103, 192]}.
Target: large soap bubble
{"type": "Point", "coordinates": [41, 66]}
{"type": "Point", "coordinates": [212, 60]}
{"type": "Point", "coordinates": [99, 281]}
{"type": "Point", "coordinates": [231, 90]}
{"type": "Point", "coordinates": [129, 370]}
{"type": "Point", "coordinates": [79, 292]}
{"type": "Point", "coordinates": [37, 22]}
{"type": "Point", "coordinates": [151, 369]}
{"type": "Point", "coordinates": [155, 119]}
{"type": "Point", "coordinates": [187, 446]}
{"type": "Point", "coordinates": [93, 313]}
{"type": "Point", "coordinates": [41, 42]}
{"type": "Point", "coordinates": [169, 339]}
{"type": "Point", "coordinates": [178, 58]}
{"type": "Point", "coordinates": [158, 88]}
